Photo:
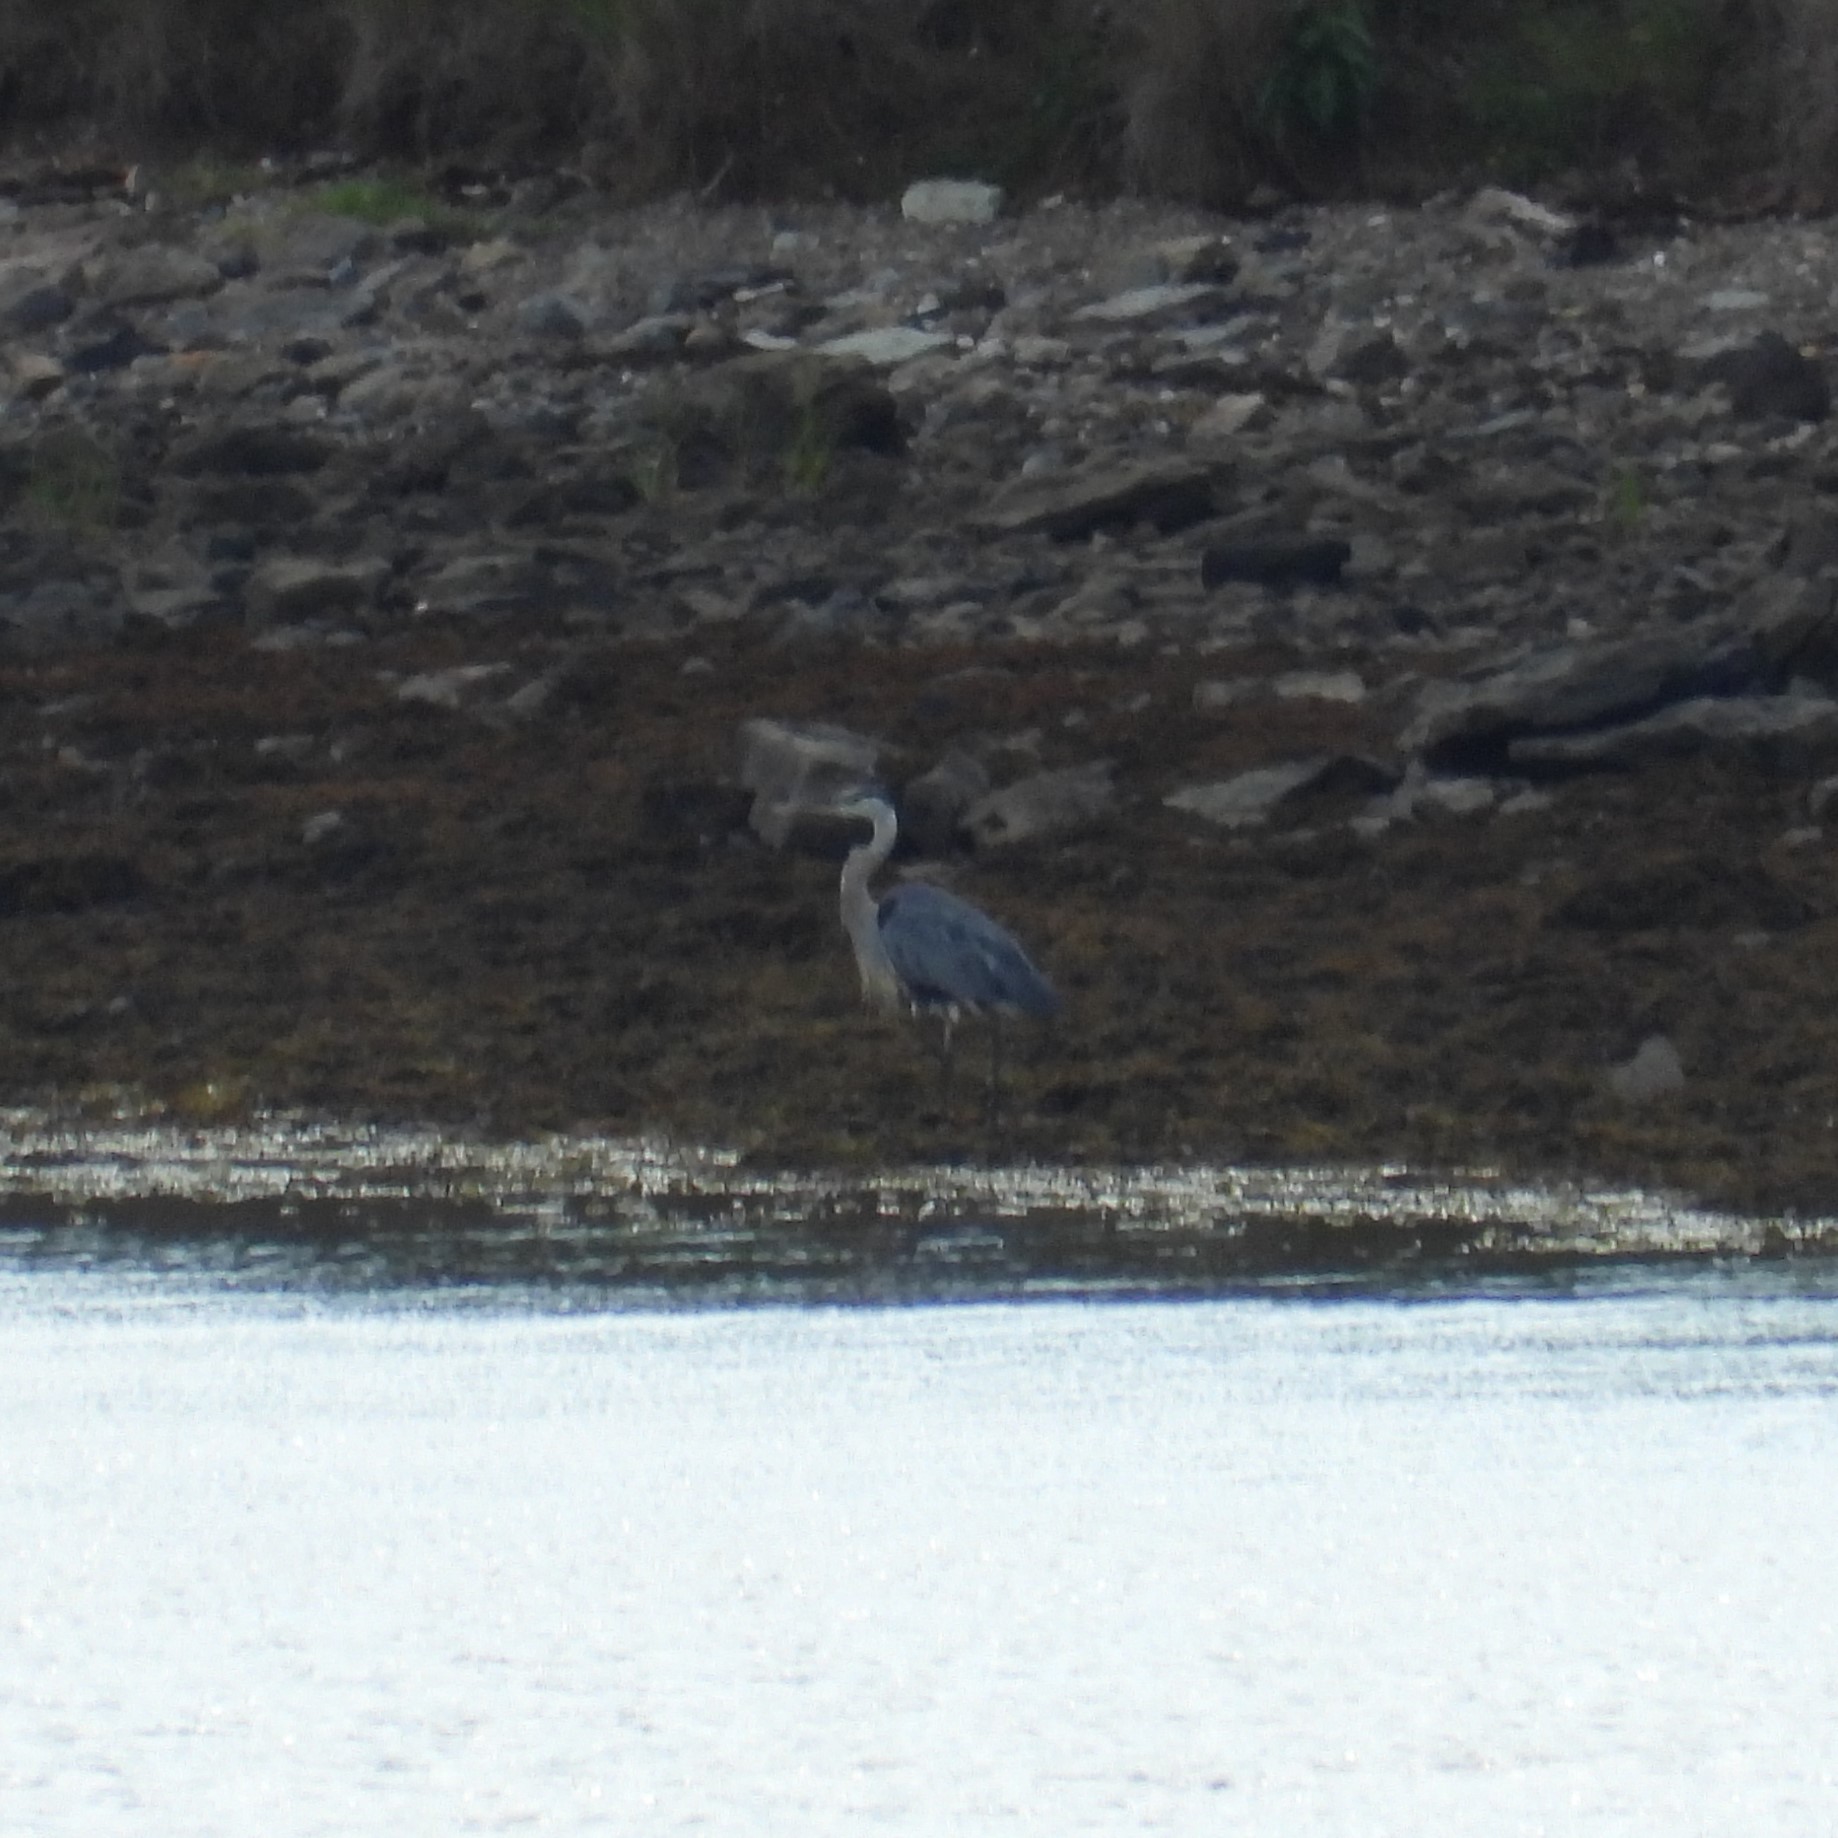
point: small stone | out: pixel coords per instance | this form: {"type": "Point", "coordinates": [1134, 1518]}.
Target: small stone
{"type": "Point", "coordinates": [1320, 686]}
{"type": "Point", "coordinates": [551, 315]}
{"type": "Point", "coordinates": [490, 257]}
{"type": "Point", "coordinates": [1276, 561]}
{"type": "Point", "coordinates": [290, 589]}
{"type": "Point", "coordinates": [1734, 300]}
{"type": "Point", "coordinates": [30, 302]}
{"type": "Point", "coordinates": [36, 376]}
{"type": "Point", "coordinates": [933, 803]}
{"type": "Point", "coordinates": [885, 346]}
{"type": "Point", "coordinates": [1139, 304]}
{"type": "Point", "coordinates": [450, 688]}
{"type": "Point", "coordinates": [1249, 798]}
{"type": "Point", "coordinates": [1229, 415]}
{"type": "Point", "coordinates": [1771, 378]}
{"type": "Point", "coordinates": [1655, 1071]}
{"type": "Point", "coordinates": [154, 276]}
{"type": "Point", "coordinates": [951, 201]}
{"type": "Point", "coordinates": [1044, 804]}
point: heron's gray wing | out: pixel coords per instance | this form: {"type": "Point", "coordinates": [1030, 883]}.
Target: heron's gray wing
{"type": "Point", "coordinates": [946, 951]}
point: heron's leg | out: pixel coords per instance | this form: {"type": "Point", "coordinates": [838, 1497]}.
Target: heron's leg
{"type": "Point", "coordinates": [944, 1060]}
{"type": "Point", "coordinates": [995, 1069]}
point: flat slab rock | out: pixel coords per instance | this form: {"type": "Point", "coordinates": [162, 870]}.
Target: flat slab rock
{"type": "Point", "coordinates": [1167, 496]}
{"type": "Point", "coordinates": [1694, 726]}
{"type": "Point", "coordinates": [1570, 687]}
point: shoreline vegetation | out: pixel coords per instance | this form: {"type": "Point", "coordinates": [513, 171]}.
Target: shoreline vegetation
{"type": "Point", "coordinates": [1216, 102]}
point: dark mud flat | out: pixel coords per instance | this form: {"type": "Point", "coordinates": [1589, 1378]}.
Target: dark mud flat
{"type": "Point", "coordinates": [563, 922]}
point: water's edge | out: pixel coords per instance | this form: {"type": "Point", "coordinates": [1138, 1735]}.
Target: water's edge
{"type": "Point", "coordinates": [417, 1204]}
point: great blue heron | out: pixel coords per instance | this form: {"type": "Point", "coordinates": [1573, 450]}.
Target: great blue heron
{"type": "Point", "coordinates": [921, 948]}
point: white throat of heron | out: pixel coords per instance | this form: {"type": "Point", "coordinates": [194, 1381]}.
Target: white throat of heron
{"type": "Point", "coordinates": [860, 911]}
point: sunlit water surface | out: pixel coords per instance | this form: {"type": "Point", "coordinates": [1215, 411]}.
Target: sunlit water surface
{"type": "Point", "coordinates": [1493, 1557]}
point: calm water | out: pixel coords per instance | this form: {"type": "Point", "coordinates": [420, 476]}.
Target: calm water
{"type": "Point", "coordinates": [293, 1557]}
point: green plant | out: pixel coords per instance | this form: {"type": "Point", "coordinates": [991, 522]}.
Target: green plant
{"type": "Point", "coordinates": [1624, 505]}
{"type": "Point", "coordinates": [1570, 82]}
{"type": "Point", "coordinates": [74, 482]}
{"type": "Point", "coordinates": [654, 471]}
{"type": "Point", "coordinates": [381, 201]}
{"type": "Point", "coordinates": [1324, 76]}
{"type": "Point", "coordinates": [809, 453]}
{"type": "Point", "coordinates": [206, 179]}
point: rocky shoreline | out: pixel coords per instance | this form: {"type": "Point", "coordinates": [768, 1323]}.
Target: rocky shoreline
{"type": "Point", "coordinates": [1382, 661]}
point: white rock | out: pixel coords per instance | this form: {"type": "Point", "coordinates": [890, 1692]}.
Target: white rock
{"type": "Point", "coordinates": [1146, 302]}
{"type": "Point", "coordinates": [951, 201]}
{"type": "Point", "coordinates": [1735, 300]}
{"type": "Point", "coordinates": [448, 688]}
{"type": "Point", "coordinates": [1228, 416]}
{"type": "Point", "coordinates": [1654, 1072]}
{"type": "Point", "coordinates": [1320, 686]}
{"type": "Point", "coordinates": [1237, 803]}
{"type": "Point", "coordinates": [793, 766]}
{"type": "Point", "coordinates": [1497, 205]}
{"type": "Point", "coordinates": [887, 345]}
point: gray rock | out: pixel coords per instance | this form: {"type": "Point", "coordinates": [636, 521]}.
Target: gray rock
{"type": "Point", "coordinates": [766, 412]}
{"type": "Point", "coordinates": [1735, 300]}
{"type": "Point", "coordinates": [1790, 727]}
{"type": "Point", "coordinates": [1574, 687]}
{"type": "Point", "coordinates": [1493, 204]}
{"type": "Point", "coordinates": [154, 275]}
{"type": "Point", "coordinates": [1203, 257]}
{"type": "Point", "coordinates": [551, 315]}
{"type": "Point", "coordinates": [30, 301]}
{"type": "Point", "coordinates": [793, 767]}
{"type": "Point", "coordinates": [1044, 804]}
{"type": "Point", "coordinates": [933, 804]}
{"type": "Point", "coordinates": [1771, 378]}
{"type": "Point", "coordinates": [293, 589]}
{"type": "Point", "coordinates": [1364, 359]}
{"type": "Point", "coordinates": [35, 375]}
{"type": "Point", "coordinates": [1158, 305]}
{"type": "Point", "coordinates": [263, 451]}
{"type": "Point", "coordinates": [951, 201]}
{"type": "Point", "coordinates": [310, 249]}
{"type": "Point", "coordinates": [1453, 796]}
{"type": "Point", "coordinates": [452, 688]}
{"type": "Point", "coordinates": [1655, 1071]}
{"type": "Point", "coordinates": [489, 586]}
{"type": "Point", "coordinates": [1276, 561]}
{"type": "Point", "coordinates": [885, 346]}
{"type": "Point", "coordinates": [1248, 798]}
{"type": "Point", "coordinates": [1168, 495]}
{"type": "Point", "coordinates": [1318, 686]}
{"type": "Point", "coordinates": [654, 339]}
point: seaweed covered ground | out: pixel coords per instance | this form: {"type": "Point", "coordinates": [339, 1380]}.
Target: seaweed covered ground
{"type": "Point", "coordinates": [233, 878]}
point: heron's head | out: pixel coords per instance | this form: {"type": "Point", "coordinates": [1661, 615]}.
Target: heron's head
{"type": "Point", "coordinates": [867, 801]}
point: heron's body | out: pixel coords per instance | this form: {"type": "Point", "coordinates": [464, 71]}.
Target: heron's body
{"type": "Point", "coordinates": [922, 948]}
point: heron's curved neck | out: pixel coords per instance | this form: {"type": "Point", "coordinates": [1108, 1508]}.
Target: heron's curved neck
{"type": "Point", "coordinates": [860, 917]}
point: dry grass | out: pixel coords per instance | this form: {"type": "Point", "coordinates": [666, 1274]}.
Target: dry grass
{"type": "Point", "coordinates": [1800, 94]}
{"type": "Point", "coordinates": [1192, 92]}
{"type": "Point", "coordinates": [1200, 99]}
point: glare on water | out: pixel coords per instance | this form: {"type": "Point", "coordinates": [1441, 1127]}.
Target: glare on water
{"type": "Point", "coordinates": [1503, 1563]}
